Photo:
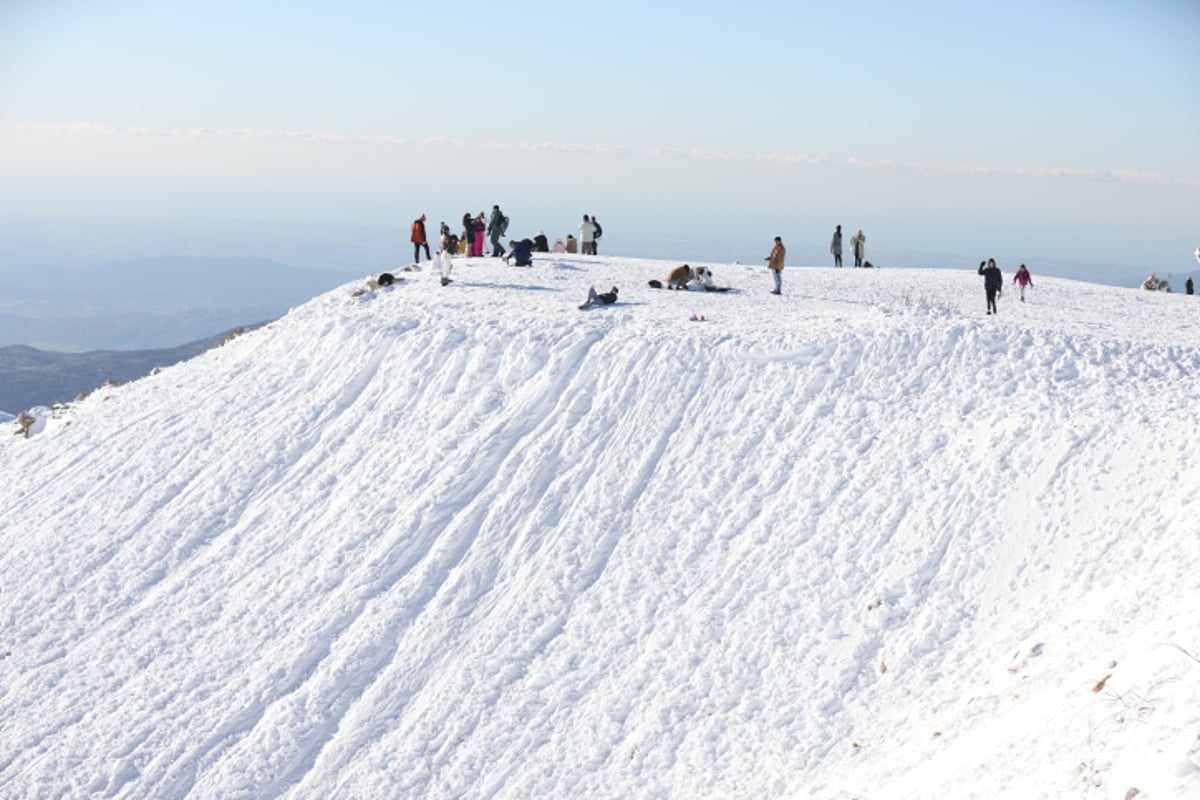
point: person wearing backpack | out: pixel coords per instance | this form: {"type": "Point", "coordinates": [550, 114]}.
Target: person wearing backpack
{"type": "Point", "coordinates": [497, 225]}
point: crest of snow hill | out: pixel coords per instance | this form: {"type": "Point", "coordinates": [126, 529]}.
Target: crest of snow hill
{"type": "Point", "coordinates": [460, 539]}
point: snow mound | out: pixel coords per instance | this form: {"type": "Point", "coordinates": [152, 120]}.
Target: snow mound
{"type": "Point", "coordinates": [464, 541]}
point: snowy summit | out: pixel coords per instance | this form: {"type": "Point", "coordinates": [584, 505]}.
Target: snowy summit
{"type": "Point", "coordinates": [468, 541]}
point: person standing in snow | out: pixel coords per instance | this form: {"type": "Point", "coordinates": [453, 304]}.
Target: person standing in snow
{"type": "Point", "coordinates": [1188, 287]}
{"type": "Point", "coordinates": [1023, 279]}
{"type": "Point", "coordinates": [775, 264]}
{"type": "Point", "coordinates": [587, 236]}
{"type": "Point", "coordinates": [993, 282]}
{"type": "Point", "coordinates": [596, 236]}
{"type": "Point", "coordinates": [496, 228]}
{"type": "Point", "coordinates": [479, 228]}
{"type": "Point", "coordinates": [468, 233]}
{"type": "Point", "coordinates": [419, 240]}
{"type": "Point", "coordinates": [858, 244]}
{"type": "Point", "coordinates": [835, 246]}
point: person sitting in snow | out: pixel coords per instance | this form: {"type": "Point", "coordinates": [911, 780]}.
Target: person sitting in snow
{"type": "Point", "coordinates": [606, 299]}
{"type": "Point", "coordinates": [703, 280]}
{"type": "Point", "coordinates": [540, 243]}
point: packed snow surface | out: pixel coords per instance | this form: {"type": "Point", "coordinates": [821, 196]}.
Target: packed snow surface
{"type": "Point", "coordinates": [856, 541]}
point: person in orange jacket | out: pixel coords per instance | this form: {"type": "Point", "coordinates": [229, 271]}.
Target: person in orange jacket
{"type": "Point", "coordinates": [419, 240]}
{"type": "Point", "coordinates": [775, 264]}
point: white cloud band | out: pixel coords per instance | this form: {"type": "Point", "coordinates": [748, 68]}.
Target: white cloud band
{"type": "Point", "coordinates": [96, 130]}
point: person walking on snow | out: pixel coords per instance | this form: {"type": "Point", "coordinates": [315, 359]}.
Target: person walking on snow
{"type": "Point", "coordinates": [587, 236]}
{"type": "Point", "coordinates": [835, 247]}
{"type": "Point", "coordinates": [993, 282]}
{"type": "Point", "coordinates": [775, 264]}
{"type": "Point", "coordinates": [496, 228]}
{"type": "Point", "coordinates": [1023, 279]}
{"type": "Point", "coordinates": [858, 244]}
{"type": "Point", "coordinates": [419, 240]}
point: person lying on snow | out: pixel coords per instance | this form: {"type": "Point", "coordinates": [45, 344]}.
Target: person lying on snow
{"type": "Point", "coordinates": [606, 299]}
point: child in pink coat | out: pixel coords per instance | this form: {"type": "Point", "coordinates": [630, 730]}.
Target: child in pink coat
{"type": "Point", "coordinates": [1023, 279]}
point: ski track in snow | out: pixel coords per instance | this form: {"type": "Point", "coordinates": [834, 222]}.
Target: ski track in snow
{"type": "Point", "coordinates": [466, 541]}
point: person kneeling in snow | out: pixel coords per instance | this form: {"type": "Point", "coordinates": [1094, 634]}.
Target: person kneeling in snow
{"type": "Point", "coordinates": [521, 253]}
{"type": "Point", "coordinates": [606, 299]}
{"type": "Point", "coordinates": [678, 278]}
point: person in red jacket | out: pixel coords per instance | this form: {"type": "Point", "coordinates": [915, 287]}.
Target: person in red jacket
{"type": "Point", "coordinates": [1023, 279]}
{"type": "Point", "coordinates": [419, 240]}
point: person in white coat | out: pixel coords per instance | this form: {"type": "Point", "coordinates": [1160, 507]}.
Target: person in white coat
{"type": "Point", "coordinates": [587, 236]}
{"type": "Point", "coordinates": [858, 244]}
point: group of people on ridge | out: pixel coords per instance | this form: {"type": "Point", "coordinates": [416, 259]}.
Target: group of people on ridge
{"type": "Point", "coordinates": [521, 252]}
{"type": "Point", "coordinates": [471, 241]}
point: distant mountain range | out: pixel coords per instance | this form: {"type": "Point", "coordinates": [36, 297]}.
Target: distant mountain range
{"type": "Point", "coordinates": [30, 377]}
{"type": "Point", "coordinates": [146, 303]}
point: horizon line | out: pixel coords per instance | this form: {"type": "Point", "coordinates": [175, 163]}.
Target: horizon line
{"type": "Point", "coordinates": [253, 135]}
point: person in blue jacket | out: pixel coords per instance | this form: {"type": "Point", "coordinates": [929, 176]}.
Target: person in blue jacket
{"type": "Point", "coordinates": [520, 252]}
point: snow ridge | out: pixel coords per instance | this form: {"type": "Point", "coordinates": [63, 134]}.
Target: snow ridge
{"type": "Point", "coordinates": [466, 542]}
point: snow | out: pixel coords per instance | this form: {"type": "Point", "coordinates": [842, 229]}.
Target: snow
{"type": "Point", "coordinates": [857, 541]}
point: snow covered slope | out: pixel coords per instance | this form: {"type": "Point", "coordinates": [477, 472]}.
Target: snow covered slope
{"type": "Point", "coordinates": [856, 541]}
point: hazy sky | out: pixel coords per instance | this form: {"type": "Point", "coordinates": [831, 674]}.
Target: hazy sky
{"type": "Point", "coordinates": [1064, 129]}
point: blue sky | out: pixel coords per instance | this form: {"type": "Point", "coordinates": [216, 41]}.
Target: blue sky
{"type": "Point", "coordinates": [1060, 131]}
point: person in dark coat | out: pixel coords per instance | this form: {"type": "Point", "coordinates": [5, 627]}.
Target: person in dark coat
{"type": "Point", "coordinates": [520, 252]}
{"type": "Point", "coordinates": [496, 227]}
{"type": "Point", "coordinates": [606, 299]}
{"type": "Point", "coordinates": [540, 243]}
{"type": "Point", "coordinates": [1188, 286]}
{"type": "Point", "coordinates": [468, 235]}
{"type": "Point", "coordinates": [993, 282]}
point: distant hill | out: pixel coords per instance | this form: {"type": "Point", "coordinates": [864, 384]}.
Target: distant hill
{"type": "Point", "coordinates": [147, 302]}
{"type": "Point", "coordinates": [30, 377]}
